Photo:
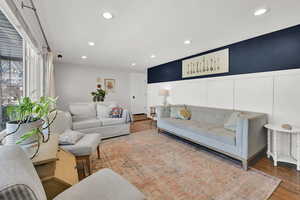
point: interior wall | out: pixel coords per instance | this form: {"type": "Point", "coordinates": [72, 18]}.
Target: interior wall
{"type": "Point", "coordinates": [74, 83]}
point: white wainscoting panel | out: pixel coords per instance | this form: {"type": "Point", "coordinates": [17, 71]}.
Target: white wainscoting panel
{"type": "Point", "coordinates": [287, 99]}
{"type": "Point", "coordinates": [191, 92]}
{"type": "Point", "coordinates": [254, 94]}
{"type": "Point", "coordinates": [220, 93]}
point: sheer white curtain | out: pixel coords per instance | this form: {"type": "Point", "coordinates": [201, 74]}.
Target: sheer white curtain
{"type": "Point", "coordinates": [49, 75]}
{"type": "Point", "coordinates": [34, 79]}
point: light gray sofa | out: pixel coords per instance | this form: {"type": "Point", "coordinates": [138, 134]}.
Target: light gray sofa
{"type": "Point", "coordinates": [206, 127]}
{"type": "Point", "coordinates": [20, 181]}
{"type": "Point", "coordinates": [89, 118]}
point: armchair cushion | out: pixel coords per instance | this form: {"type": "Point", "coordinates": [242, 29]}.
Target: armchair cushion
{"type": "Point", "coordinates": [86, 123]}
{"type": "Point", "coordinates": [85, 146]}
{"type": "Point", "coordinates": [104, 184]}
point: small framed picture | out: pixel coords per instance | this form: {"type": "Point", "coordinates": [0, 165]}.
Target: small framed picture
{"type": "Point", "coordinates": [110, 85]}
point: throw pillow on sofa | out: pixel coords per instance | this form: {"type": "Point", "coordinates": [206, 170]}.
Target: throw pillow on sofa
{"type": "Point", "coordinates": [231, 122]}
{"type": "Point", "coordinates": [174, 111]}
{"type": "Point", "coordinates": [116, 112]}
{"type": "Point", "coordinates": [184, 114]}
{"type": "Point", "coordinates": [70, 137]}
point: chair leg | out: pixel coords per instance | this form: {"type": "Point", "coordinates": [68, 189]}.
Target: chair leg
{"type": "Point", "coordinates": [98, 151]}
{"type": "Point", "coordinates": [88, 164]}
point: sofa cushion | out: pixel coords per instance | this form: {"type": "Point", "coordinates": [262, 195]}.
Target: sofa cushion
{"type": "Point", "coordinates": [112, 121]}
{"type": "Point", "coordinates": [86, 123]}
{"type": "Point", "coordinates": [104, 108]}
{"type": "Point", "coordinates": [82, 110]}
{"type": "Point", "coordinates": [231, 122]}
{"type": "Point", "coordinates": [213, 131]}
{"type": "Point", "coordinates": [85, 146]}
{"type": "Point", "coordinates": [103, 111]}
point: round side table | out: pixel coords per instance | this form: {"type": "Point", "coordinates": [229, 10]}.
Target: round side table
{"type": "Point", "coordinates": [274, 149]}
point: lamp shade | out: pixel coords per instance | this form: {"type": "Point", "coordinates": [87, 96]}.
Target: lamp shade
{"type": "Point", "coordinates": [164, 92]}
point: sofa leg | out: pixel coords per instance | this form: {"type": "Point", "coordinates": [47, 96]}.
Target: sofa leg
{"type": "Point", "coordinates": [159, 130]}
{"type": "Point", "coordinates": [245, 164]}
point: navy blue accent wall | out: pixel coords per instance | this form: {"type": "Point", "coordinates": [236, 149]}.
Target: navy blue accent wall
{"type": "Point", "coordinates": [279, 50]}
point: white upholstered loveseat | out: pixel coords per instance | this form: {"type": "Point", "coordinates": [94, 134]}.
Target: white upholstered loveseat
{"type": "Point", "coordinates": [94, 118]}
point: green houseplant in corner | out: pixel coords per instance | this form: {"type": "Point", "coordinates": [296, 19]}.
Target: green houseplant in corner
{"type": "Point", "coordinates": [29, 120]}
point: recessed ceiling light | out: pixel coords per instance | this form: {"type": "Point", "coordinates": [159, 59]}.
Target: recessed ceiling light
{"type": "Point", "coordinates": [187, 42]}
{"type": "Point", "coordinates": [133, 64]}
{"type": "Point", "coordinates": [91, 43]}
{"type": "Point", "coordinates": [153, 56]}
{"type": "Point", "coordinates": [84, 57]}
{"type": "Point", "coordinates": [260, 11]}
{"type": "Point", "coordinates": [107, 15]}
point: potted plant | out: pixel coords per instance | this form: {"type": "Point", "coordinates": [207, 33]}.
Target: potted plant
{"type": "Point", "coordinates": [28, 119]}
{"type": "Point", "coordinates": [99, 94]}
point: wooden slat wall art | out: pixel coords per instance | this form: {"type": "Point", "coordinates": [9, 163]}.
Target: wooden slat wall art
{"type": "Point", "coordinates": [212, 63]}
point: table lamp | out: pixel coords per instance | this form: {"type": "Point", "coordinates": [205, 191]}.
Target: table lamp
{"type": "Point", "coordinates": [165, 93]}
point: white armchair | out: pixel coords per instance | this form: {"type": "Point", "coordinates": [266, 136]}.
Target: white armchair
{"type": "Point", "coordinates": [19, 181]}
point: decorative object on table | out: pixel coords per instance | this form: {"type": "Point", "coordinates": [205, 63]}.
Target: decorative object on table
{"type": "Point", "coordinates": [212, 63]}
{"type": "Point", "coordinates": [99, 94]}
{"type": "Point", "coordinates": [28, 119]}
{"type": "Point", "coordinates": [110, 85]}
{"type": "Point", "coordinates": [287, 126]}
{"type": "Point", "coordinates": [277, 144]}
{"type": "Point", "coordinates": [184, 113]}
{"type": "Point", "coordinates": [164, 93]}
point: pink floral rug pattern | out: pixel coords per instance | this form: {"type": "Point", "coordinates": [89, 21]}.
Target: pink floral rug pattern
{"type": "Point", "coordinates": [165, 168]}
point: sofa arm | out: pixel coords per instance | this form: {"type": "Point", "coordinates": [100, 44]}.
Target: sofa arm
{"type": "Point", "coordinates": [104, 184]}
{"type": "Point", "coordinates": [163, 111]}
{"type": "Point", "coordinates": [251, 135]}
{"type": "Point", "coordinates": [127, 116]}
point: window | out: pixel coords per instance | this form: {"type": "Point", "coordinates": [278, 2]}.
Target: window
{"type": "Point", "coordinates": [11, 67]}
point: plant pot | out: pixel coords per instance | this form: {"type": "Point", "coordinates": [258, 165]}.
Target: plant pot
{"type": "Point", "coordinates": [98, 99]}
{"type": "Point", "coordinates": [24, 128]}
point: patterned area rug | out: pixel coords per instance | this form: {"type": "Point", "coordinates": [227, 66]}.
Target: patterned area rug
{"type": "Point", "coordinates": [165, 168]}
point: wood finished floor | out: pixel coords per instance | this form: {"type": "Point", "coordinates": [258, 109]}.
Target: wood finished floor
{"type": "Point", "coordinates": [289, 188]}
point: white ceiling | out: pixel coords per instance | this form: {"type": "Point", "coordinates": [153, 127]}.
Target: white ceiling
{"type": "Point", "coordinates": [144, 27]}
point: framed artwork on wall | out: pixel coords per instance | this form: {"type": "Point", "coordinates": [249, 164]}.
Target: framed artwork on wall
{"type": "Point", "coordinates": [110, 85]}
{"type": "Point", "coordinates": [212, 63]}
